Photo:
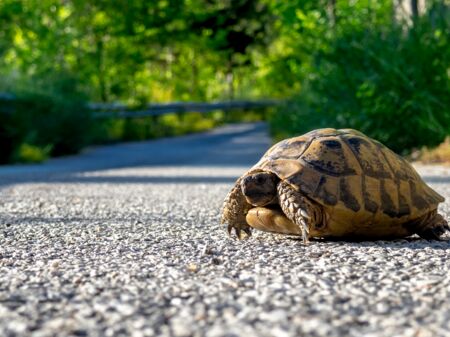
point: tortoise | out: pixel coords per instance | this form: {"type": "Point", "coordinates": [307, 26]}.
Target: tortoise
{"type": "Point", "coordinates": [333, 183]}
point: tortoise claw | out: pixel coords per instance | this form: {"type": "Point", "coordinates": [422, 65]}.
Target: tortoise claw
{"type": "Point", "coordinates": [238, 230]}
{"type": "Point", "coordinates": [305, 231]}
{"type": "Point", "coordinates": [238, 233]}
{"type": "Point", "coordinates": [229, 229]}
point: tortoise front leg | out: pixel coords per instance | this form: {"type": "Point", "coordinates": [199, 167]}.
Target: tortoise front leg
{"type": "Point", "coordinates": [235, 208]}
{"type": "Point", "coordinates": [298, 209]}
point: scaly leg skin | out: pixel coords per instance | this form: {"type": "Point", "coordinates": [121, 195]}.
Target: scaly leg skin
{"type": "Point", "coordinates": [431, 226]}
{"type": "Point", "coordinates": [235, 208]}
{"type": "Point", "coordinates": [298, 209]}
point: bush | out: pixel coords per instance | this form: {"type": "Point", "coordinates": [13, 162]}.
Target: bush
{"type": "Point", "coordinates": [41, 123]}
{"type": "Point", "coordinates": [389, 83]}
{"type": "Point", "coordinates": [58, 121]}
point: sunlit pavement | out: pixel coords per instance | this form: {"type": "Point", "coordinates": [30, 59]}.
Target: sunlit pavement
{"type": "Point", "coordinates": [125, 240]}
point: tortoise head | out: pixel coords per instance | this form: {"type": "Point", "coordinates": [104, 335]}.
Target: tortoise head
{"type": "Point", "coordinates": [260, 188]}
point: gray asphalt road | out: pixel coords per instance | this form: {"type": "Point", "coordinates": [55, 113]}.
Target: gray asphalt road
{"type": "Point", "coordinates": [124, 241]}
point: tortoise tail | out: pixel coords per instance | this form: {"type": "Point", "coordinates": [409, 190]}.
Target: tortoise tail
{"type": "Point", "coordinates": [431, 226]}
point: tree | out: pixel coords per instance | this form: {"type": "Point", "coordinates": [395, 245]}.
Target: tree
{"type": "Point", "coordinates": [233, 29]}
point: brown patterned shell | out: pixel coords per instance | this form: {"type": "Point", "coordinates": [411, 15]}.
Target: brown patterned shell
{"type": "Point", "coordinates": [356, 179]}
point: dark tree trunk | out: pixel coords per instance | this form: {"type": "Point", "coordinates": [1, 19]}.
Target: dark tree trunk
{"type": "Point", "coordinates": [415, 9]}
{"type": "Point", "coordinates": [230, 79]}
{"type": "Point", "coordinates": [194, 88]}
{"type": "Point", "coordinates": [101, 70]}
{"type": "Point", "coordinates": [394, 11]}
{"type": "Point", "coordinates": [331, 9]}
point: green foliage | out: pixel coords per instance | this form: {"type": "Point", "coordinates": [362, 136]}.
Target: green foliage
{"type": "Point", "coordinates": [363, 64]}
{"type": "Point", "coordinates": [237, 116]}
{"type": "Point", "coordinates": [388, 81]}
{"type": "Point", "coordinates": [109, 130]}
{"type": "Point", "coordinates": [136, 51]}
{"type": "Point", "coordinates": [50, 121]}
{"type": "Point", "coordinates": [27, 153]}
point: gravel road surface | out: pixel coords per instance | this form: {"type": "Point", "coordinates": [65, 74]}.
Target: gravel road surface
{"type": "Point", "coordinates": [125, 240]}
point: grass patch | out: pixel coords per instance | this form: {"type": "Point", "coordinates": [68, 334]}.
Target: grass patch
{"type": "Point", "coordinates": [170, 125]}
{"type": "Point", "coordinates": [28, 153]}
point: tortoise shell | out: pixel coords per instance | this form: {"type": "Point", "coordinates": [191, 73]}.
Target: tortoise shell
{"type": "Point", "coordinates": [364, 188]}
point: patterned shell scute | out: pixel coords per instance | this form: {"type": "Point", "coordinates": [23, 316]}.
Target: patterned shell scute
{"type": "Point", "coordinates": [350, 172]}
{"type": "Point", "coordinates": [288, 149]}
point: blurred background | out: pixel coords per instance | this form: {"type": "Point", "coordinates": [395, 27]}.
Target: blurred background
{"type": "Point", "coordinates": [382, 67]}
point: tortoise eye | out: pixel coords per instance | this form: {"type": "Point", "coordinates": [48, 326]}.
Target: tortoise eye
{"type": "Point", "coordinates": [260, 180]}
